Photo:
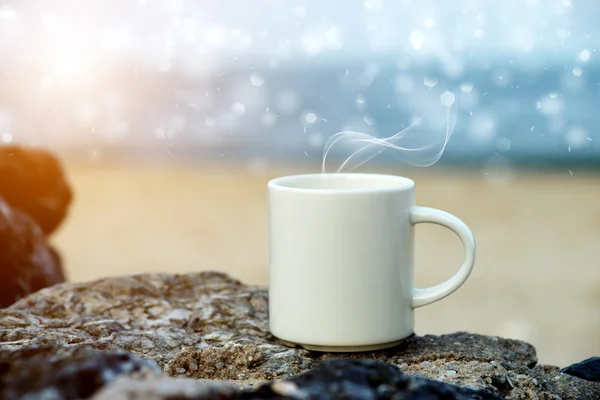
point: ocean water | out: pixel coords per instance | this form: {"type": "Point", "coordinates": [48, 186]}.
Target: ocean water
{"type": "Point", "coordinates": [524, 113]}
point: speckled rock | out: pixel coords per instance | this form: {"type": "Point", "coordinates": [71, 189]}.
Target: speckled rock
{"type": "Point", "coordinates": [27, 262]}
{"type": "Point", "coordinates": [210, 326]}
{"type": "Point", "coordinates": [32, 180]}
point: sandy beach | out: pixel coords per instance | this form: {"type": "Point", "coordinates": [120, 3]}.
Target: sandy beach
{"type": "Point", "coordinates": [537, 275]}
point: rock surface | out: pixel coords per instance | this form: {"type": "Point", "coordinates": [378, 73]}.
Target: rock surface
{"type": "Point", "coordinates": [587, 369]}
{"type": "Point", "coordinates": [333, 379]}
{"type": "Point", "coordinates": [363, 379]}
{"type": "Point", "coordinates": [210, 326]}
{"type": "Point", "coordinates": [27, 262]}
{"type": "Point", "coordinates": [162, 387]}
{"type": "Point", "coordinates": [32, 180]}
{"type": "Point", "coordinates": [64, 373]}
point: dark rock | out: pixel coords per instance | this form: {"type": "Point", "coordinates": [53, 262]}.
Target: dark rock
{"type": "Point", "coordinates": [32, 180]}
{"type": "Point", "coordinates": [27, 262]}
{"type": "Point", "coordinates": [210, 326]}
{"type": "Point", "coordinates": [56, 372]}
{"type": "Point", "coordinates": [587, 369]}
{"type": "Point", "coordinates": [362, 379]}
{"type": "Point", "coordinates": [57, 259]}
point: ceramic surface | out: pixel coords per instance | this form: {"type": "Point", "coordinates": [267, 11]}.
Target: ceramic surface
{"type": "Point", "coordinates": [341, 260]}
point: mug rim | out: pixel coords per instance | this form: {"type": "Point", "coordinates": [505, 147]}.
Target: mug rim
{"type": "Point", "coordinates": [387, 183]}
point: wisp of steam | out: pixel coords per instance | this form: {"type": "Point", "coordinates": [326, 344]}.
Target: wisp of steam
{"type": "Point", "coordinates": [421, 144]}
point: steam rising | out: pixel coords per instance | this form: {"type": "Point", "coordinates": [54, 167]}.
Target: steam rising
{"type": "Point", "coordinates": [421, 144]}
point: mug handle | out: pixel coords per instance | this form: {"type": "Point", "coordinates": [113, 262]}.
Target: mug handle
{"type": "Point", "coordinates": [418, 215]}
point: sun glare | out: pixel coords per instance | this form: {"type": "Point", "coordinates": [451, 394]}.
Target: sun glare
{"type": "Point", "coordinates": [69, 50]}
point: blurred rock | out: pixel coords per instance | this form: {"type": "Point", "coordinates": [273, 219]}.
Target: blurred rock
{"type": "Point", "coordinates": [32, 180]}
{"type": "Point", "coordinates": [210, 326]}
{"type": "Point", "coordinates": [163, 387]}
{"type": "Point", "coordinates": [27, 262]}
{"type": "Point", "coordinates": [57, 372]}
{"type": "Point", "coordinates": [587, 369]}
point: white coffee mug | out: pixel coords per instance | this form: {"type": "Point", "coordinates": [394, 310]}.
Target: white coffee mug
{"type": "Point", "coordinates": [341, 251]}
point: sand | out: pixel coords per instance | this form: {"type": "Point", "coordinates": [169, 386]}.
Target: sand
{"type": "Point", "coordinates": [537, 275]}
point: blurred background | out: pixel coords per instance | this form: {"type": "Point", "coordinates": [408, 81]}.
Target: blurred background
{"type": "Point", "coordinates": [171, 116]}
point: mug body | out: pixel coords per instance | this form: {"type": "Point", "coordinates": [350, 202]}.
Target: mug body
{"type": "Point", "coordinates": [341, 260]}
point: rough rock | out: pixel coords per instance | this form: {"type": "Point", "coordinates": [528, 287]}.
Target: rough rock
{"type": "Point", "coordinates": [32, 180]}
{"type": "Point", "coordinates": [27, 262]}
{"type": "Point", "coordinates": [210, 326]}
{"type": "Point", "coordinates": [587, 369]}
{"type": "Point", "coordinates": [64, 373]}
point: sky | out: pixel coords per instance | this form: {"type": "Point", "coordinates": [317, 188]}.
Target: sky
{"type": "Point", "coordinates": [161, 30]}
